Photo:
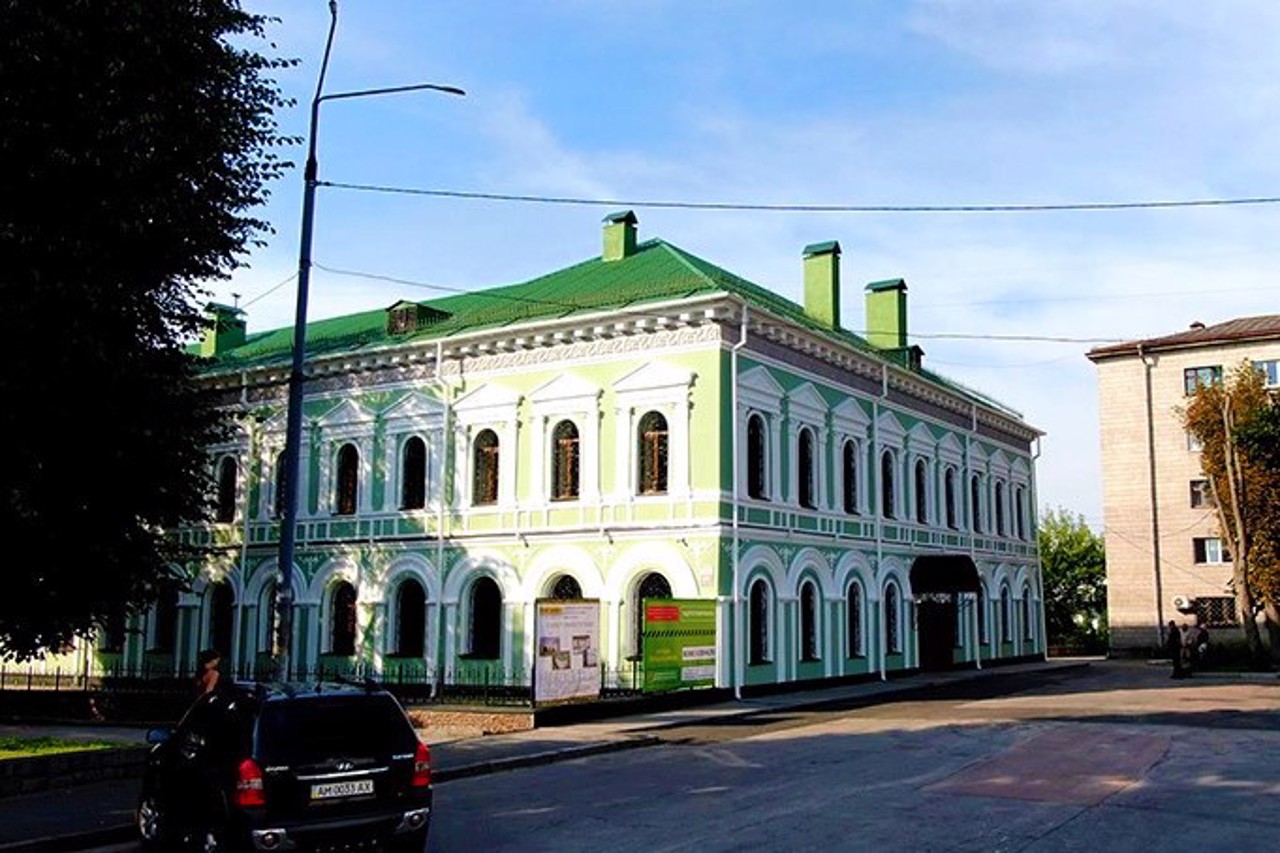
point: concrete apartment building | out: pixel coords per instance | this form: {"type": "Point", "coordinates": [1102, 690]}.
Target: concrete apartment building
{"type": "Point", "coordinates": [1165, 558]}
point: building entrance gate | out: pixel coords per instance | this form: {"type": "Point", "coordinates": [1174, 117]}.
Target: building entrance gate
{"type": "Point", "coordinates": [936, 584]}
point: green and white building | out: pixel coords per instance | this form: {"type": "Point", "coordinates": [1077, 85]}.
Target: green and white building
{"type": "Point", "coordinates": [643, 424]}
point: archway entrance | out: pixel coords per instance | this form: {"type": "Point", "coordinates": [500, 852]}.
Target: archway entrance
{"type": "Point", "coordinates": [936, 583]}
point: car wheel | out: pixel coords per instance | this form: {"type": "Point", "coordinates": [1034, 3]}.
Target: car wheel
{"type": "Point", "coordinates": [150, 821]}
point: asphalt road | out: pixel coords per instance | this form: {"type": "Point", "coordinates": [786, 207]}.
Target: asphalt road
{"type": "Point", "coordinates": [1113, 757]}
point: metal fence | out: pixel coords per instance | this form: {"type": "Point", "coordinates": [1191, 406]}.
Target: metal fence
{"type": "Point", "coordinates": [473, 683]}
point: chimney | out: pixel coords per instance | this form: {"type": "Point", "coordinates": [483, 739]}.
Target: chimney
{"type": "Point", "coordinates": [887, 313]}
{"type": "Point", "coordinates": [225, 329]}
{"type": "Point", "coordinates": [619, 236]}
{"type": "Point", "coordinates": [822, 283]}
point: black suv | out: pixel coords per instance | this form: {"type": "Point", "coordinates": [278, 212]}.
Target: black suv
{"type": "Point", "coordinates": [288, 767]}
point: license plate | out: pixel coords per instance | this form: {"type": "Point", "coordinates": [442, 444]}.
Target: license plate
{"type": "Point", "coordinates": [331, 790]}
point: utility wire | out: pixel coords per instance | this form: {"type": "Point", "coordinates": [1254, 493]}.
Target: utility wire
{"type": "Point", "coordinates": [806, 208]}
{"type": "Point", "coordinates": [264, 294]}
{"type": "Point", "coordinates": [571, 306]}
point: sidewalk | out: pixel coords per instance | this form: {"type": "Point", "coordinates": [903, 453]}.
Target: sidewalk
{"type": "Point", "coordinates": [102, 812]}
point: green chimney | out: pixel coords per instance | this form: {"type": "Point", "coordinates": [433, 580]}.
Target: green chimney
{"type": "Point", "coordinates": [887, 313]}
{"type": "Point", "coordinates": [225, 329]}
{"type": "Point", "coordinates": [619, 236]}
{"type": "Point", "coordinates": [822, 283]}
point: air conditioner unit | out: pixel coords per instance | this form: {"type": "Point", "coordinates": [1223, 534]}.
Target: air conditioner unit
{"type": "Point", "coordinates": [1182, 603]}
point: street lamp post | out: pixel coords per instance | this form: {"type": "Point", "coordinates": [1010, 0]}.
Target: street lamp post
{"type": "Point", "coordinates": [283, 639]}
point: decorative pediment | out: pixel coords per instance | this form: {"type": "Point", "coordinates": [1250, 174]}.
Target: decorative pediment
{"type": "Point", "coordinates": [950, 448]}
{"type": "Point", "coordinates": [346, 413]}
{"type": "Point", "coordinates": [806, 404]}
{"type": "Point", "coordinates": [977, 456]}
{"type": "Point", "coordinates": [761, 381]}
{"type": "Point", "coordinates": [566, 386]}
{"type": "Point", "coordinates": [414, 406]}
{"type": "Point", "coordinates": [851, 417]}
{"type": "Point", "coordinates": [1000, 462]}
{"type": "Point", "coordinates": [920, 438]}
{"type": "Point", "coordinates": [487, 397]}
{"type": "Point", "coordinates": [890, 428]}
{"type": "Point", "coordinates": [654, 376]}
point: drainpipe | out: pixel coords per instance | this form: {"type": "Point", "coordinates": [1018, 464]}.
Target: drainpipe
{"type": "Point", "coordinates": [739, 665]}
{"type": "Point", "coordinates": [966, 490]}
{"type": "Point", "coordinates": [876, 465]}
{"type": "Point", "coordinates": [444, 390]}
{"type": "Point", "coordinates": [1155, 508]}
{"type": "Point", "coordinates": [234, 651]}
{"type": "Point", "coordinates": [1032, 528]}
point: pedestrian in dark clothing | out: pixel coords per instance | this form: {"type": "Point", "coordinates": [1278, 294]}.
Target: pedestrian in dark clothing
{"type": "Point", "coordinates": [1173, 647]}
{"type": "Point", "coordinates": [1200, 645]}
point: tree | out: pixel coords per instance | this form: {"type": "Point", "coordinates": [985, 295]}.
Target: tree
{"type": "Point", "coordinates": [136, 138]}
{"type": "Point", "coordinates": [1235, 421]}
{"type": "Point", "coordinates": [1073, 565]}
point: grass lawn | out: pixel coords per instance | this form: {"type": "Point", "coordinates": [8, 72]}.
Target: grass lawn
{"type": "Point", "coordinates": [25, 747]}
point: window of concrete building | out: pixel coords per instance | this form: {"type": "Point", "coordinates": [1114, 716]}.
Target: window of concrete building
{"type": "Point", "coordinates": [759, 622]}
{"type": "Point", "coordinates": [1006, 615]}
{"type": "Point", "coordinates": [485, 625]}
{"type": "Point", "coordinates": [566, 455]}
{"type": "Point", "coordinates": [1028, 628]}
{"type": "Point", "coordinates": [853, 619]}
{"type": "Point", "coordinates": [809, 621]}
{"type": "Point", "coordinates": [484, 468]}
{"type": "Point", "coordinates": [227, 472]}
{"type": "Point", "coordinates": [1210, 549]}
{"type": "Point", "coordinates": [982, 615]}
{"type": "Point", "coordinates": [411, 619]}
{"type": "Point", "coordinates": [1270, 371]}
{"type": "Point", "coordinates": [808, 473]}
{"type": "Point", "coordinates": [949, 490]}
{"type": "Point", "coordinates": [413, 474]}
{"type": "Point", "coordinates": [652, 585]}
{"type": "Point", "coordinates": [1217, 611]}
{"type": "Point", "coordinates": [566, 588]}
{"type": "Point", "coordinates": [849, 477]}
{"type": "Point", "coordinates": [757, 457]}
{"type": "Point", "coordinates": [975, 502]}
{"type": "Point", "coordinates": [652, 454]}
{"type": "Point", "coordinates": [1193, 443]}
{"type": "Point", "coordinates": [888, 486]}
{"type": "Point", "coordinates": [922, 491]}
{"type": "Point", "coordinates": [1194, 377]}
{"type": "Point", "coordinates": [342, 619]}
{"type": "Point", "coordinates": [892, 622]}
{"type": "Point", "coordinates": [1000, 525]}
{"type": "Point", "coordinates": [1201, 494]}
{"type": "Point", "coordinates": [164, 633]}
{"type": "Point", "coordinates": [348, 481]}
{"type": "Point", "coordinates": [1020, 511]}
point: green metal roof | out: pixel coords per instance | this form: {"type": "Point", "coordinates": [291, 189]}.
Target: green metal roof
{"type": "Point", "coordinates": [657, 271]}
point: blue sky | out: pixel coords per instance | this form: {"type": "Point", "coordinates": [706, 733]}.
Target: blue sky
{"type": "Point", "coordinates": [932, 102]}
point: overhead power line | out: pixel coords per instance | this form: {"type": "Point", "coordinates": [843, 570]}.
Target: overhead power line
{"type": "Point", "coordinates": [808, 208]}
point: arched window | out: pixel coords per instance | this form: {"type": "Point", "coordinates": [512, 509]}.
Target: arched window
{"type": "Point", "coordinates": [892, 634]}
{"type": "Point", "coordinates": [982, 615]}
{"type": "Point", "coordinates": [651, 454]}
{"type": "Point", "coordinates": [486, 619]}
{"type": "Point", "coordinates": [226, 510]}
{"type": "Point", "coordinates": [342, 620]}
{"type": "Point", "coordinates": [888, 509]}
{"type": "Point", "coordinates": [922, 492]}
{"type": "Point", "coordinates": [348, 480]}
{"type": "Point", "coordinates": [809, 622]}
{"type": "Point", "coordinates": [484, 462]}
{"type": "Point", "coordinates": [757, 457]}
{"type": "Point", "coordinates": [853, 618]}
{"type": "Point", "coordinates": [564, 439]}
{"type": "Point", "coordinates": [566, 588]}
{"type": "Point", "coordinates": [949, 487]}
{"type": "Point", "coordinates": [850, 485]}
{"type": "Point", "coordinates": [759, 603]}
{"type": "Point", "coordinates": [413, 474]}
{"type": "Point", "coordinates": [808, 470]}
{"type": "Point", "coordinates": [652, 585]}
{"type": "Point", "coordinates": [1020, 511]}
{"type": "Point", "coordinates": [1028, 627]}
{"type": "Point", "coordinates": [1006, 629]}
{"type": "Point", "coordinates": [1000, 508]}
{"type": "Point", "coordinates": [279, 485]}
{"type": "Point", "coordinates": [975, 502]}
{"type": "Point", "coordinates": [221, 618]}
{"type": "Point", "coordinates": [411, 619]}
{"type": "Point", "coordinates": [165, 636]}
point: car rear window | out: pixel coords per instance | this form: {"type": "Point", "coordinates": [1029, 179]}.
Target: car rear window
{"type": "Point", "coordinates": [314, 729]}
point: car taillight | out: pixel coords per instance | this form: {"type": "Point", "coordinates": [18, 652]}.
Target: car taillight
{"type": "Point", "coordinates": [249, 789]}
{"type": "Point", "coordinates": [422, 766]}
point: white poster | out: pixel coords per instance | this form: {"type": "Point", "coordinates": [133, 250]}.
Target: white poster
{"type": "Point", "coordinates": [566, 651]}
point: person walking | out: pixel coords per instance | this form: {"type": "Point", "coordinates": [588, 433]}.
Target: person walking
{"type": "Point", "coordinates": [207, 674]}
{"type": "Point", "coordinates": [1173, 648]}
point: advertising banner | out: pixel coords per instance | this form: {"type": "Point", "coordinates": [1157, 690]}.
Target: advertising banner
{"type": "Point", "coordinates": [679, 643]}
{"type": "Point", "coordinates": [566, 658]}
